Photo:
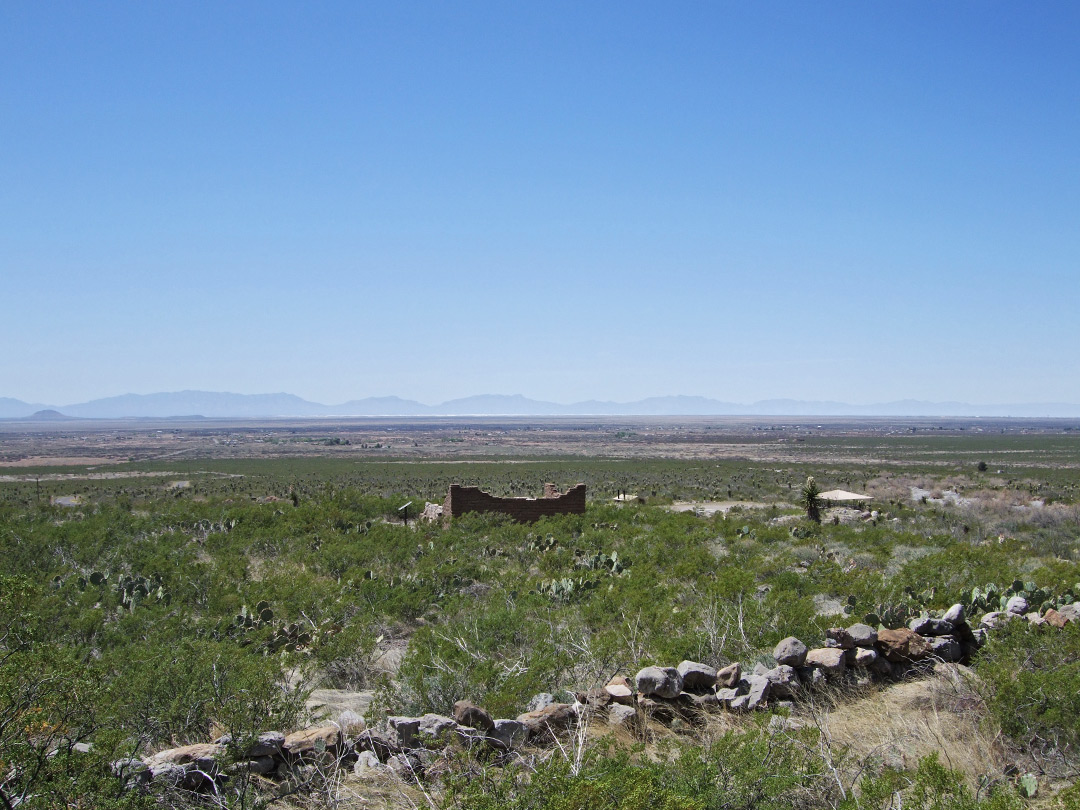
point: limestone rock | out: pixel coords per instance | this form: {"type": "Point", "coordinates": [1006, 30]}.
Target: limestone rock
{"type": "Point", "coordinates": [759, 691]}
{"type": "Point", "coordinates": [203, 755]}
{"type": "Point", "coordinates": [367, 764]}
{"type": "Point", "coordinates": [947, 648]}
{"type": "Point", "coordinates": [621, 690]}
{"type": "Point", "coordinates": [317, 740]}
{"type": "Point", "coordinates": [1070, 612]}
{"type": "Point", "coordinates": [928, 626]}
{"type": "Point", "coordinates": [663, 682]}
{"type": "Point", "coordinates": [468, 713]}
{"type": "Point", "coordinates": [1055, 619]}
{"type": "Point", "coordinates": [620, 716]}
{"type": "Point", "coordinates": [831, 661]}
{"type": "Point", "coordinates": [790, 651]}
{"type": "Point", "coordinates": [508, 734]}
{"type": "Point", "coordinates": [1018, 605]}
{"type": "Point", "coordinates": [729, 676]}
{"type": "Point", "coordinates": [902, 644]}
{"type": "Point", "coordinates": [267, 744]}
{"type": "Point", "coordinates": [696, 677]}
{"type": "Point", "coordinates": [552, 717]}
{"type": "Point", "coordinates": [841, 638]}
{"type": "Point", "coordinates": [955, 615]}
{"type": "Point", "coordinates": [864, 657]}
{"type": "Point", "coordinates": [783, 681]}
{"type": "Point", "coordinates": [863, 635]}
{"type": "Point", "coordinates": [540, 701]}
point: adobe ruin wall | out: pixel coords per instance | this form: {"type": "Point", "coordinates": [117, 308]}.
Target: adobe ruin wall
{"type": "Point", "coordinates": [460, 500]}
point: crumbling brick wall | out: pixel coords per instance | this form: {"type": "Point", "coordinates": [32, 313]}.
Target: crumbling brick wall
{"type": "Point", "coordinates": [460, 500]}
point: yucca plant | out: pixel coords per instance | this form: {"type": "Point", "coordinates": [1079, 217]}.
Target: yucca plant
{"type": "Point", "coordinates": [810, 499]}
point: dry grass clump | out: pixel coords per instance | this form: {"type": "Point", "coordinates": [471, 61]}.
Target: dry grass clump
{"type": "Point", "coordinates": [900, 724]}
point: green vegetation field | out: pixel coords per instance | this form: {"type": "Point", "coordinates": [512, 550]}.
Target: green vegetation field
{"type": "Point", "coordinates": [205, 597]}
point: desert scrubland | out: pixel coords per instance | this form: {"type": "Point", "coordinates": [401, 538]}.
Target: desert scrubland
{"type": "Point", "coordinates": [239, 614]}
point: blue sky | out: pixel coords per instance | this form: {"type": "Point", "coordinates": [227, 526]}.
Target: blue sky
{"type": "Point", "coordinates": [850, 201]}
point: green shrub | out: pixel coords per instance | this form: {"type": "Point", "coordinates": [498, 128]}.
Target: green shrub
{"type": "Point", "coordinates": [1032, 683]}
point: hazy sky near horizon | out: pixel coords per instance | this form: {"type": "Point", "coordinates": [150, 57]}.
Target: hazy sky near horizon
{"type": "Point", "coordinates": [850, 201]}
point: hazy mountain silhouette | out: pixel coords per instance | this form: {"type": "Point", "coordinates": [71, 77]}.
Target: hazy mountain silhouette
{"type": "Point", "coordinates": [213, 404]}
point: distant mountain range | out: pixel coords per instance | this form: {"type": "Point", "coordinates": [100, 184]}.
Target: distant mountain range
{"type": "Point", "coordinates": [210, 404]}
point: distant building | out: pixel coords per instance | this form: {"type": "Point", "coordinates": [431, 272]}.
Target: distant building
{"type": "Point", "coordinates": [842, 496]}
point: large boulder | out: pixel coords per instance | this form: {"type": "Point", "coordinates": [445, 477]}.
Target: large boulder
{"type": "Point", "coordinates": [783, 682]}
{"type": "Point", "coordinates": [1055, 619]}
{"type": "Point", "coordinates": [594, 698]}
{"type": "Point", "coordinates": [1018, 606]}
{"type": "Point", "coordinates": [620, 716]}
{"type": "Point", "coordinates": [621, 690]}
{"type": "Point", "coordinates": [539, 701]}
{"type": "Point", "coordinates": [381, 745]}
{"type": "Point", "coordinates": [507, 734]}
{"type": "Point", "coordinates": [662, 682]}
{"type": "Point", "coordinates": [202, 755]}
{"type": "Point", "coordinates": [955, 615]}
{"type": "Point", "coordinates": [696, 677]}
{"type": "Point", "coordinates": [947, 648]}
{"type": "Point", "coordinates": [839, 637]}
{"type": "Point", "coordinates": [864, 657]}
{"type": "Point", "coordinates": [1070, 612]}
{"type": "Point", "coordinates": [552, 717]}
{"type": "Point", "coordinates": [468, 713]}
{"type": "Point", "coordinates": [190, 767]}
{"type": "Point", "coordinates": [315, 741]}
{"type": "Point", "coordinates": [902, 644]}
{"type": "Point", "coordinates": [790, 651]}
{"type": "Point", "coordinates": [862, 634]}
{"type": "Point", "coordinates": [729, 676]}
{"type": "Point", "coordinates": [758, 692]}
{"type": "Point", "coordinates": [929, 626]}
{"type": "Point", "coordinates": [830, 660]}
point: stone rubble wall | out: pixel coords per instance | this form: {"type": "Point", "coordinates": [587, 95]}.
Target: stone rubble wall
{"type": "Point", "coordinates": [414, 746]}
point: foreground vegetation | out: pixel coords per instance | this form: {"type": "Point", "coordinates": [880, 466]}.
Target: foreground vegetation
{"type": "Point", "coordinates": [148, 615]}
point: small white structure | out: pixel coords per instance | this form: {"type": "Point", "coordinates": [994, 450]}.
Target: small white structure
{"type": "Point", "coordinates": [840, 495]}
